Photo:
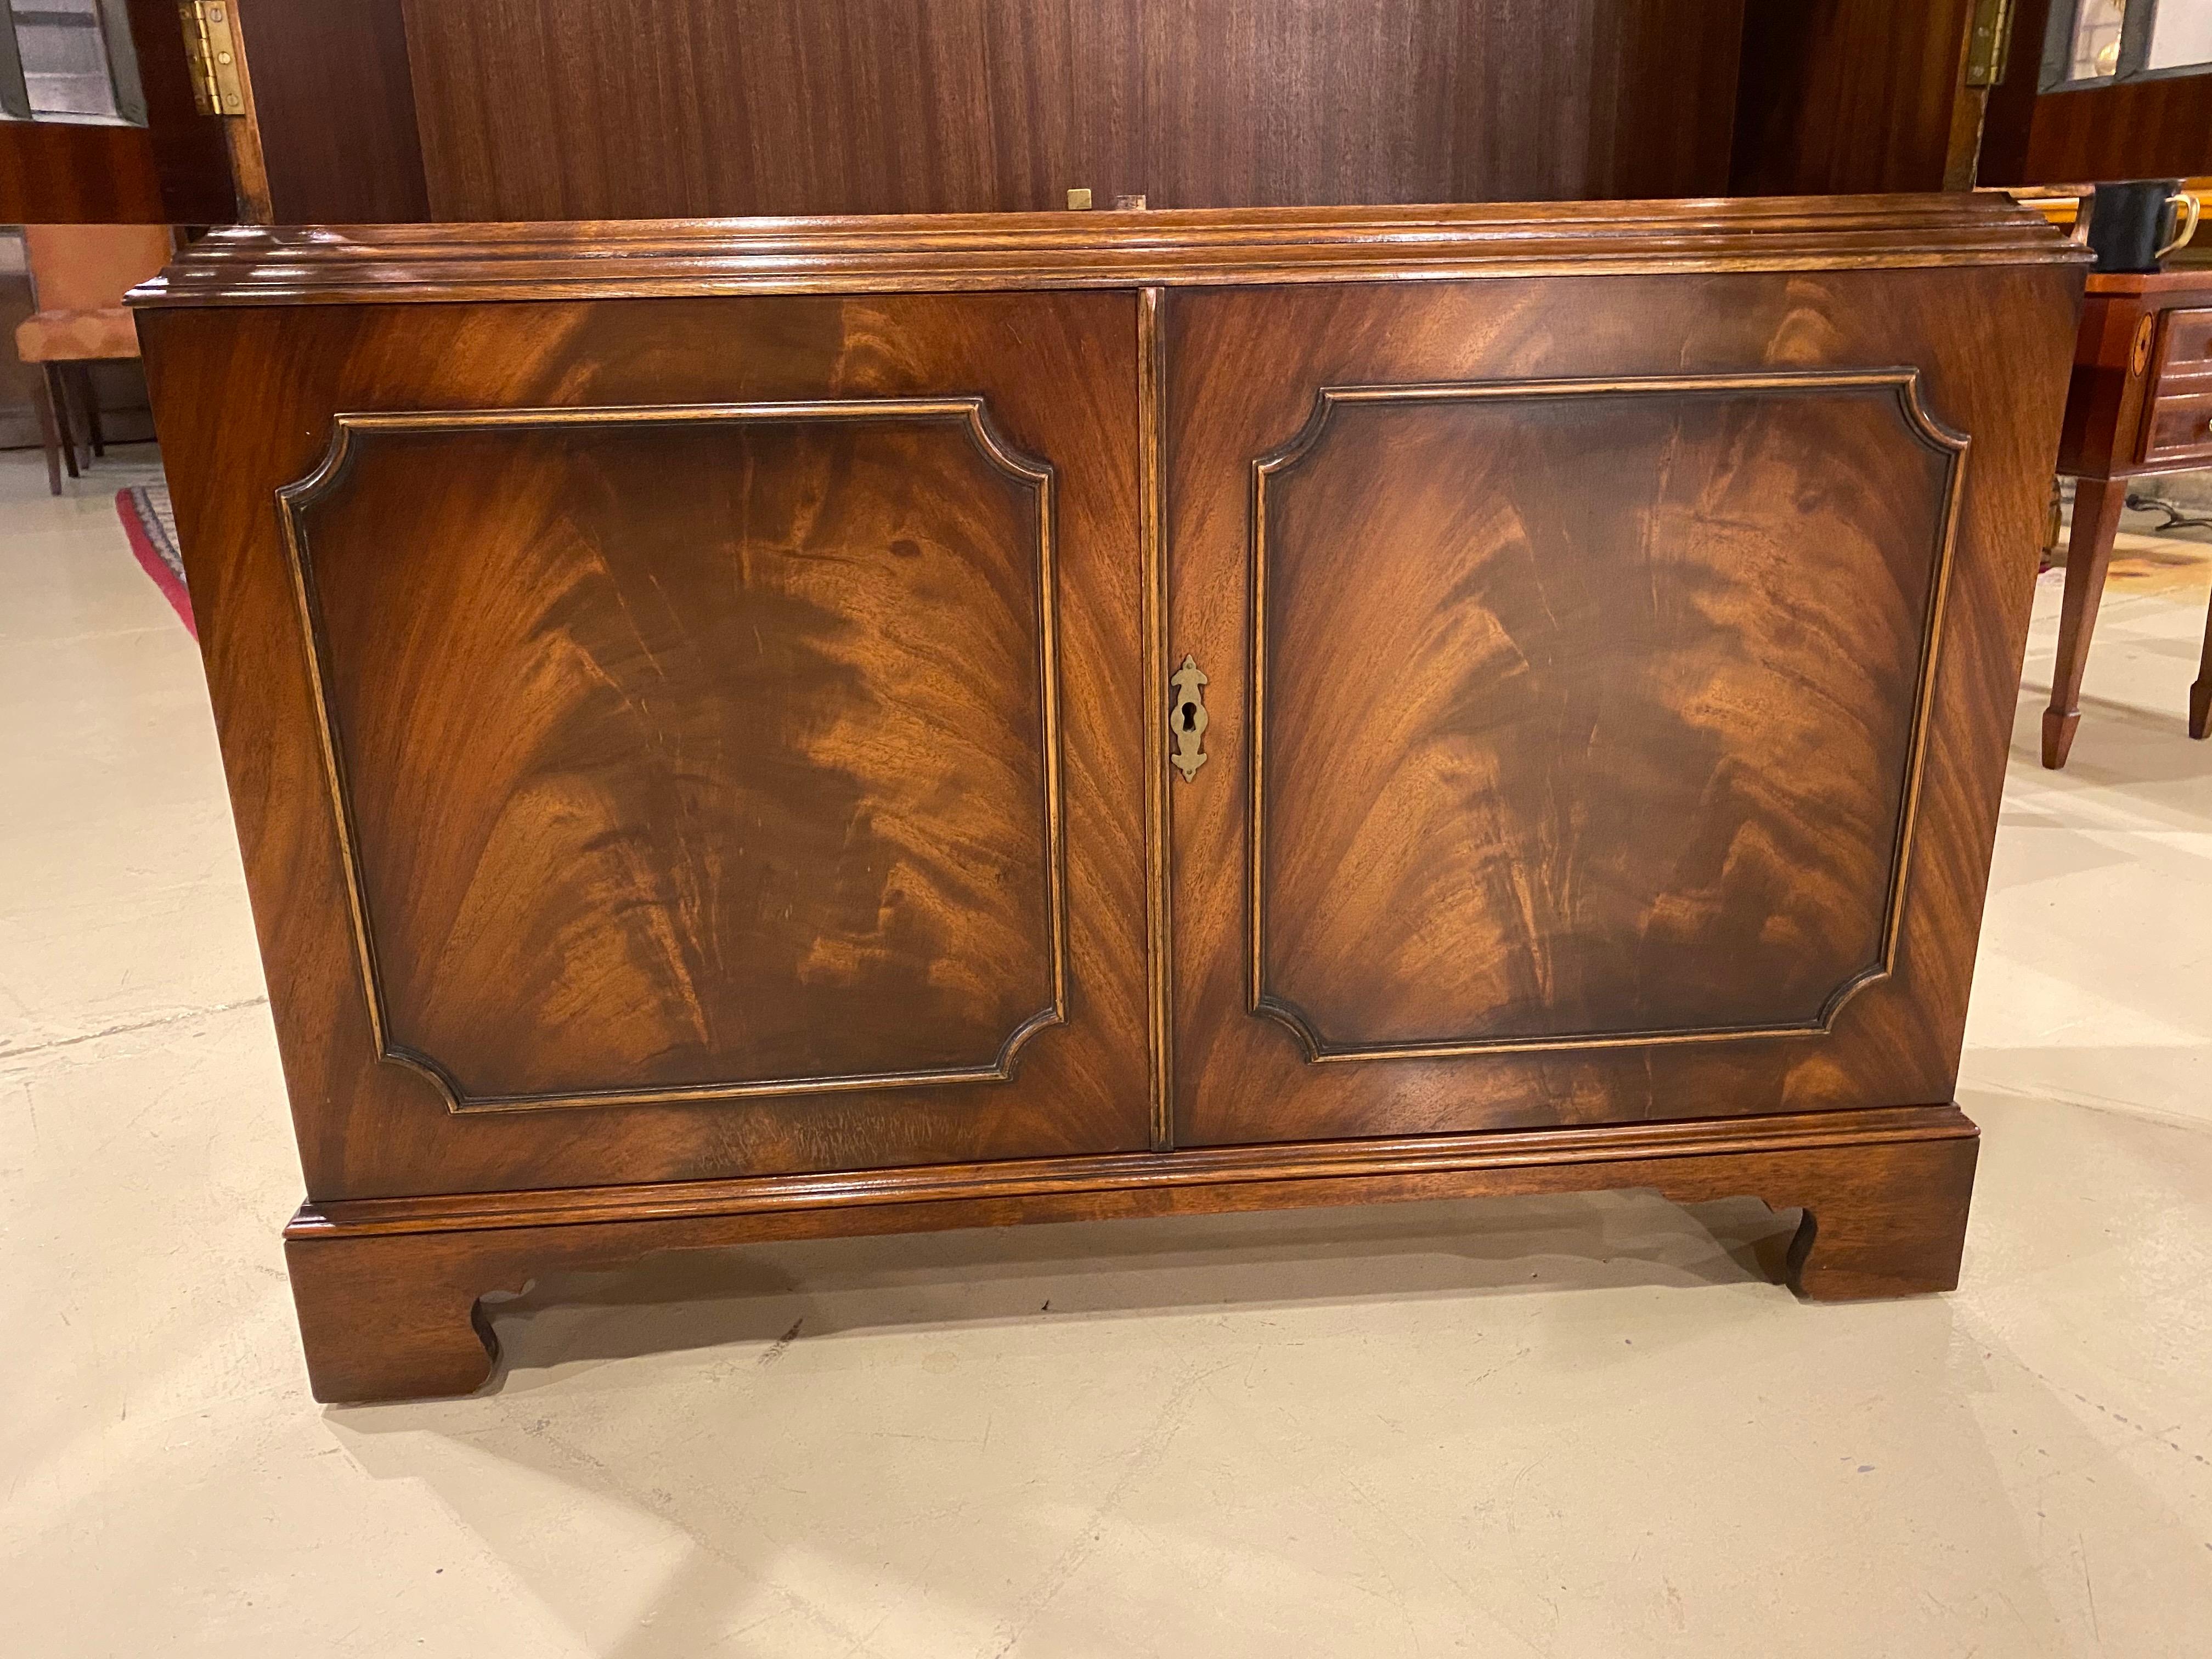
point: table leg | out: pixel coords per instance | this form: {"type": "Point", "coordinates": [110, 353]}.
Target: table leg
{"type": "Point", "coordinates": [49, 433]}
{"type": "Point", "coordinates": [2097, 503]}
{"type": "Point", "coordinates": [58, 395]}
{"type": "Point", "coordinates": [2200, 694]}
{"type": "Point", "coordinates": [88, 395]}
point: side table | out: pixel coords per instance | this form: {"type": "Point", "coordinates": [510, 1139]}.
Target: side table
{"type": "Point", "coordinates": [2139, 403]}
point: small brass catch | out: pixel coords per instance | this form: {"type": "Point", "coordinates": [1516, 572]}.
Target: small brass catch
{"type": "Point", "coordinates": [1187, 719]}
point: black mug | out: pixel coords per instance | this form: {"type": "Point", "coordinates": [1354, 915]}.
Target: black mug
{"type": "Point", "coordinates": [2128, 224]}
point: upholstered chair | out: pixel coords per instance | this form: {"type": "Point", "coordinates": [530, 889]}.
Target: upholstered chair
{"type": "Point", "coordinates": [79, 274]}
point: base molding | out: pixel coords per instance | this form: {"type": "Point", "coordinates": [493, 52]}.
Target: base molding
{"type": "Point", "coordinates": [387, 1289]}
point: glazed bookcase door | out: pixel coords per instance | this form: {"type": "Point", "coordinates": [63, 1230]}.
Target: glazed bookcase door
{"type": "Point", "coordinates": [711, 720]}
{"type": "Point", "coordinates": [1598, 678]}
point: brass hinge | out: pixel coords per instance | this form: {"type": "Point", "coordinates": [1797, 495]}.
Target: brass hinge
{"type": "Point", "coordinates": [211, 48]}
{"type": "Point", "coordinates": [1989, 40]}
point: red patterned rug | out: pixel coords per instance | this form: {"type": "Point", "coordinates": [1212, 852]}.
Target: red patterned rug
{"type": "Point", "coordinates": [152, 528]}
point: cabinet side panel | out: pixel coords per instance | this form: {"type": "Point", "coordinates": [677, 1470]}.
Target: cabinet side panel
{"type": "Point", "coordinates": [573, 109]}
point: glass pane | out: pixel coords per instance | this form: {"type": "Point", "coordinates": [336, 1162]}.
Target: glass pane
{"type": "Point", "coordinates": [2096, 39]}
{"type": "Point", "coordinates": [64, 56]}
{"type": "Point", "coordinates": [14, 102]}
{"type": "Point", "coordinates": [2181, 32]}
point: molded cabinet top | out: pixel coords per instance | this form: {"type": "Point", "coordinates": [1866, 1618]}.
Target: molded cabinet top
{"type": "Point", "coordinates": [388, 264]}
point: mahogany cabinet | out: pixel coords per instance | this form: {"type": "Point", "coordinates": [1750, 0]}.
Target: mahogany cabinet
{"type": "Point", "coordinates": [751, 729]}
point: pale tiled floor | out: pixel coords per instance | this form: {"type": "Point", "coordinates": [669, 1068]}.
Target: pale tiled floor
{"type": "Point", "coordinates": [1570, 1427]}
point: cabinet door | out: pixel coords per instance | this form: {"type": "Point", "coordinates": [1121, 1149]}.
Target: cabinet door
{"type": "Point", "coordinates": [1608, 683]}
{"type": "Point", "coordinates": [676, 738]}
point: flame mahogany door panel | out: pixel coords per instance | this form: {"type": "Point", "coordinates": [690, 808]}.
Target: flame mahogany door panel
{"type": "Point", "coordinates": [699, 735]}
{"type": "Point", "coordinates": [1606, 683]}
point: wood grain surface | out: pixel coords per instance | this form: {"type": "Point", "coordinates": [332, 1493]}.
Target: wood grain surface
{"type": "Point", "coordinates": [686, 751]}
{"type": "Point", "coordinates": [62, 173]}
{"type": "Point", "coordinates": [388, 264]}
{"type": "Point", "coordinates": [334, 103]}
{"type": "Point", "coordinates": [1527, 738]}
{"type": "Point", "coordinates": [1852, 95]}
{"type": "Point", "coordinates": [191, 156]}
{"type": "Point", "coordinates": [701, 759]}
{"type": "Point", "coordinates": [556, 109]}
{"type": "Point", "coordinates": [1589, 726]}
{"type": "Point", "coordinates": [648, 723]}
{"type": "Point", "coordinates": [2160, 126]}
{"type": "Point", "coordinates": [388, 1295]}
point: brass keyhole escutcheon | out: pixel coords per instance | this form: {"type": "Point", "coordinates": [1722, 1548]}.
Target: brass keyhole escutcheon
{"type": "Point", "coordinates": [1187, 719]}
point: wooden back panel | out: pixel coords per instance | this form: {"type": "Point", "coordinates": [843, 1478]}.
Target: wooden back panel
{"type": "Point", "coordinates": [1855, 94]}
{"type": "Point", "coordinates": [574, 109]}
{"type": "Point", "coordinates": [2153, 128]}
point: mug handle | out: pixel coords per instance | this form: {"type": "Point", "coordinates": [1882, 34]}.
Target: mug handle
{"type": "Point", "coordinates": [2187, 221]}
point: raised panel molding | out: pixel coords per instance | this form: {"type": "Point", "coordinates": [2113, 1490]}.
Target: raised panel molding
{"type": "Point", "coordinates": [1897, 390]}
{"type": "Point", "coordinates": [324, 489]}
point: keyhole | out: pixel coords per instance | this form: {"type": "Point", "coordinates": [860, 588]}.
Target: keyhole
{"type": "Point", "coordinates": [1190, 717]}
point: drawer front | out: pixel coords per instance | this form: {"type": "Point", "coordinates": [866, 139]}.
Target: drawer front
{"type": "Point", "coordinates": [2184, 352]}
{"type": "Point", "coordinates": [2180, 427]}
